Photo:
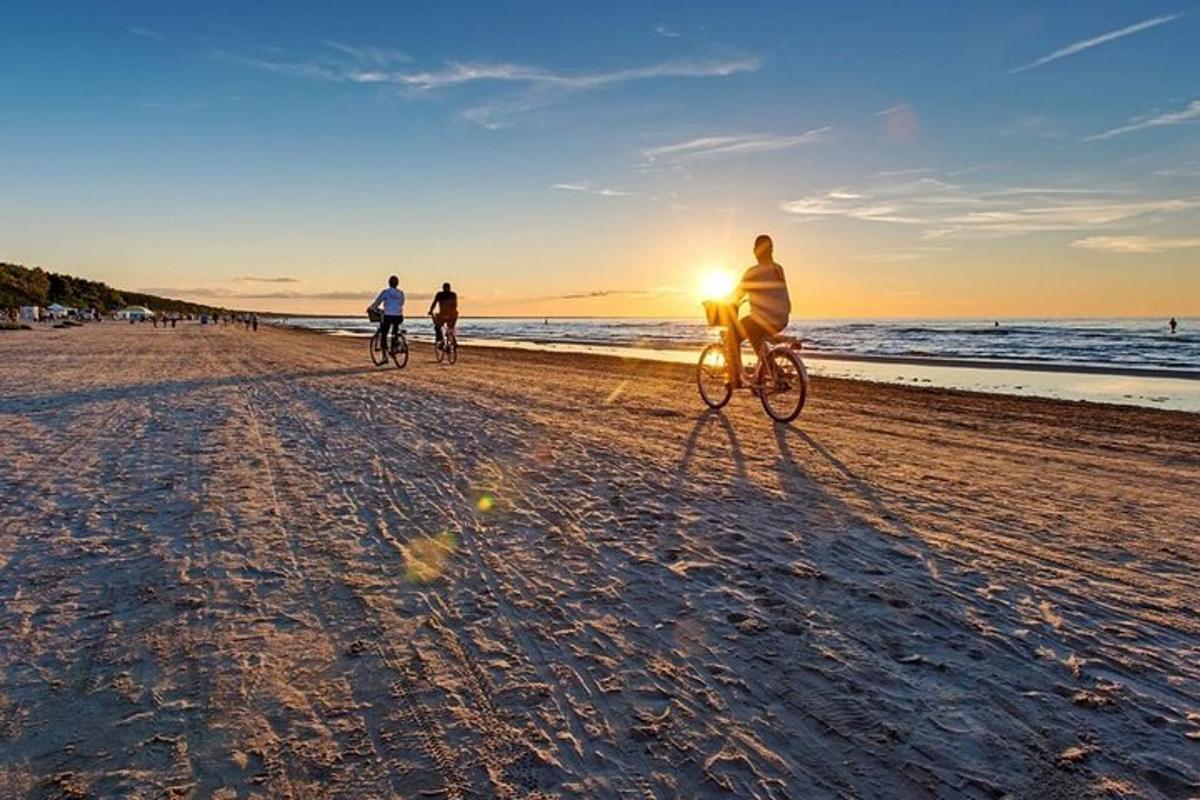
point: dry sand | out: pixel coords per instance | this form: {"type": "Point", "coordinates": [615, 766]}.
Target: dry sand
{"type": "Point", "coordinates": [237, 565]}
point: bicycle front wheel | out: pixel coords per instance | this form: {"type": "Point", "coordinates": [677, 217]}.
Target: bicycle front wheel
{"type": "Point", "coordinates": [439, 351]}
{"type": "Point", "coordinates": [375, 346]}
{"type": "Point", "coordinates": [712, 377]}
{"type": "Point", "coordinates": [452, 350]}
{"type": "Point", "coordinates": [783, 394]}
{"type": "Point", "coordinates": [400, 353]}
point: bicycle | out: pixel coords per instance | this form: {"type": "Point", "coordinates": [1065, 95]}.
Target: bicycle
{"type": "Point", "coordinates": [398, 350]}
{"type": "Point", "coordinates": [780, 379]}
{"type": "Point", "coordinates": [447, 348]}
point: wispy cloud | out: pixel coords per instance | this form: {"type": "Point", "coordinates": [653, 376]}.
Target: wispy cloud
{"type": "Point", "coordinates": [949, 211]}
{"type": "Point", "coordinates": [369, 53]}
{"type": "Point", "coordinates": [539, 86]}
{"type": "Point", "coordinates": [1178, 172]}
{"type": "Point", "coordinates": [145, 33]}
{"type": "Point", "coordinates": [1137, 244]}
{"type": "Point", "coordinates": [457, 73]}
{"type": "Point", "coordinates": [1189, 113]}
{"type": "Point", "coordinates": [603, 191]}
{"type": "Point", "coordinates": [713, 146]}
{"type": "Point", "coordinates": [222, 293]}
{"type": "Point", "coordinates": [266, 279]}
{"type": "Point", "coordinates": [1103, 38]}
{"type": "Point", "coordinates": [662, 30]}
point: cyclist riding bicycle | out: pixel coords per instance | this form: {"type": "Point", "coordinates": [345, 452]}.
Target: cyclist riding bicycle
{"type": "Point", "coordinates": [765, 286]}
{"type": "Point", "coordinates": [446, 302]}
{"type": "Point", "coordinates": [392, 300]}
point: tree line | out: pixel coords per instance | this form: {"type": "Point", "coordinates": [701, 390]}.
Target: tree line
{"type": "Point", "coordinates": [34, 286]}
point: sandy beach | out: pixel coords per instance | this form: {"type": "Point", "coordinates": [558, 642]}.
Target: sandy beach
{"type": "Point", "coordinates": [240, 565]}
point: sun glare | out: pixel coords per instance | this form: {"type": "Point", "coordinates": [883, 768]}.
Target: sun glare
{"type": "Point", "coordinates": [716, 284]}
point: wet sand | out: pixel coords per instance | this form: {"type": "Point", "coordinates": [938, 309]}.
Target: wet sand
{"type": "Point", "coordinates": [239, 565]}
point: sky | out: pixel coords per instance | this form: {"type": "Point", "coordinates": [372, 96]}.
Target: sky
{"type": "Point", "coordinates": [908, 158]}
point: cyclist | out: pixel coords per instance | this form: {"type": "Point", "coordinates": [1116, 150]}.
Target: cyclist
{"type": "Point", "coordinates": [392, 300]}
{"type": "Point", "coordinates": [446, 302]}
{"type": "Point", "coordinates": [765, 286]}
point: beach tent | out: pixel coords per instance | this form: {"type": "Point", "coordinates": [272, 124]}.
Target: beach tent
{"type": "Point", "coordinates": [135, 312]}
{"type": "Point", "coordinates": [30, 313]}
{"type": "Point", "coordinates": [57, 310]}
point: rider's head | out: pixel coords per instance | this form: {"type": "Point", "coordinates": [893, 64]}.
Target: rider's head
{"type": "Point", "coordinates": [445, 287]}
{"type": "Point", "coordinates": [764, 248]}
{"type": "Point", "coordinates": [393, 281]}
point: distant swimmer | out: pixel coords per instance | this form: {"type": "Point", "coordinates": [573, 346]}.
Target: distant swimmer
{"type": "Point", "coordinates": [1173, 325]}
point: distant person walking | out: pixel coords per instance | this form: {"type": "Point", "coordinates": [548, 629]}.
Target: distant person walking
{"type": "Point", "coordinates": [1173, 325]}
{"type": "Point", "coordinates": [254, 322]}
{"type": "Point", "coordinates": [392, 301]}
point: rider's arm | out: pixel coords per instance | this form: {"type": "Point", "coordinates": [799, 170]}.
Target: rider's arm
{"type": "Point", "coordinates": [378, 301]}
{"type": "Point", "coordinates": [740, 294]}
{"type": "Point", "coordinates": [431, 305]}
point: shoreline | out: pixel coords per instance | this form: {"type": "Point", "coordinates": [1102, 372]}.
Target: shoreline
{"type": "Point", "coordinates": [1156, 389]}
{"type": "Point", "coordinates": [648, 353]}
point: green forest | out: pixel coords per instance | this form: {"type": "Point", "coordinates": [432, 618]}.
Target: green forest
{"type": "Point", "coordinates": [33, 286]}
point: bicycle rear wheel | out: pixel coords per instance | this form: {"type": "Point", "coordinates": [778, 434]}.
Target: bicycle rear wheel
{"type": "Point", "coordinates": [452, 349]}
{"type": "Point", "coordinates": [400, 353]}
{"type": "Point", "coordinates": [783, 394]}
{"type": "Point", "coordinates": [378, 357]}
{"type": "Point", "coordinates": [439, 351]}
{"type": "Point", "coordinates": [712, 377]}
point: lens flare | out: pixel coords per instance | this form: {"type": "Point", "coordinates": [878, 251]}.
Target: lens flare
{"type": "Point", "coordinates": [717, 284]}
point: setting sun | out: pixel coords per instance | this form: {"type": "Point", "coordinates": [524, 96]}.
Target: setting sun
{"type": "Point", "coordinates": [716, 284]}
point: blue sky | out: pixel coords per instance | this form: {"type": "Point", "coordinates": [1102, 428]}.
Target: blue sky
{"type": "Point", "coordinates": [909, 158]}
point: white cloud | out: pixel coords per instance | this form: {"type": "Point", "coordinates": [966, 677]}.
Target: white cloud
{"type": "Point", "coordinates": [1189, 113]}
{"type": "Point", "coordinates": [218, 292]}
{"type": "Point", "coordinates": [949, 211]}
{"type": "Point", "coordinates": [1136, 244]}
{"type": "Point", "coordinates": [603, 191]}
{"type": "Point", "coordinates": [663, 30]}
{"type": "Point", "coordinates": [1086, 44]}
{"type": "Point", "coordinates": [457, 73]}
{"type": "Point", "coordinates": [370, 54]}
{"type": "Point", "coordinates": [265, 279]}
{"type": "Point", "coordinates": [711, 146]}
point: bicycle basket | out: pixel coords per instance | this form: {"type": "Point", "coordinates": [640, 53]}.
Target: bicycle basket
{"type": "Point", "coordinates": [716, 313]}
{"type": "Point", "coordinates": [374, 314]}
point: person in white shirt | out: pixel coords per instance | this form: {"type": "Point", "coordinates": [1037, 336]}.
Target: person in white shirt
{"type": "Point", "coordinates": [392, 300]}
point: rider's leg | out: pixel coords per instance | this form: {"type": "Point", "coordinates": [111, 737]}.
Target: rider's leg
{"type": "Point", "coordinates": [757, 334]}
{"type": "Point", "coordinates": [437, 328]}
{"type": "Point", "coordinates": [382, 332]}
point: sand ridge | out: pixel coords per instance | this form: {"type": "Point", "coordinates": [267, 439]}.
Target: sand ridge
{"type": "Point", "coordinates": [236, 565]}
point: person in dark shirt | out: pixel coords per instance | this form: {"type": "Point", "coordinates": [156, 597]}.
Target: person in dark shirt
{"type": "Point", "coordinates": [446, 303]}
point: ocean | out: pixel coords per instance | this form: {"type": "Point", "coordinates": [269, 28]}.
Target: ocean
{"type": "Point", "coordinates": [1154, 367]}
